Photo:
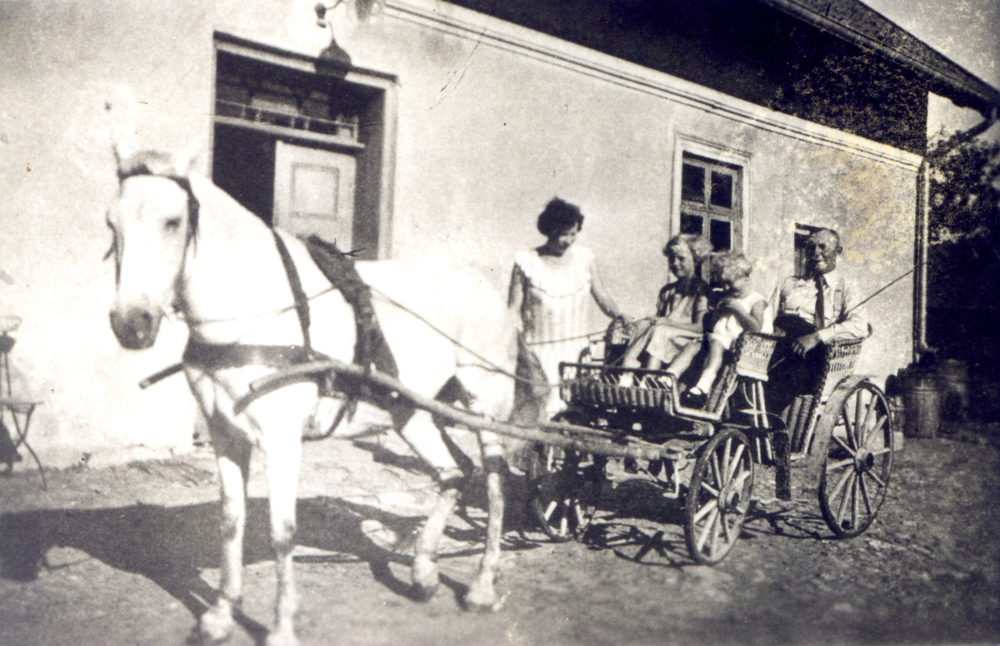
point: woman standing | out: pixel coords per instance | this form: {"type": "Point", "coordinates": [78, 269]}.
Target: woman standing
{"type": "Point", "coordinates": [551, 287]}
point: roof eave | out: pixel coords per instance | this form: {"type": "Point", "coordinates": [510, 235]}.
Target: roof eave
{"type": "Point", "coordinates": [962, 87]}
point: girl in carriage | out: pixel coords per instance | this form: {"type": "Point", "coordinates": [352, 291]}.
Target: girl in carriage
{"type": "Point", "coordinates": [739, 308]}
{"type": "Point", "coordinates": [681, 306]}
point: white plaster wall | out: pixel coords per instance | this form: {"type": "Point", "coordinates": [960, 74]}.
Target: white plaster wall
{"type": "Point", "coordinates": [493, 121]}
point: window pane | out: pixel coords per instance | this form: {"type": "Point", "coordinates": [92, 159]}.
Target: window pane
{"type": "Point", "coordinates": [721, 235]}
{"type": "Point", "coordinates": [692, 224]}
{"type": "Point", "coordinates": [693, 184]}
{"type": "Point", "coordinates": [722, 190]}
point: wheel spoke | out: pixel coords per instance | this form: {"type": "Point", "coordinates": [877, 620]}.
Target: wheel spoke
{"type": "Point", "coordinates": [580, 518]}
{"type": "Point", "coordinates": [727, 531]}
{"type": "Point", "coordinates": [735, 463]}
{"type": "Point", "coordinates": [833, 466]}
{"type": "Point", "coordinates": [844, 444]}
{"type": "Point", "coordinates": [716, 471]}
{"type": "Point", "coordinates": [843, 501]}
{"type": "Point", "coordinates": [866, 426]}
{"type": "Point", "coordinates": [709, 527]}
{"type": "Point", "coordinates": [875, 478]}
{"type": "Point", "coordinates": [710, 489]}
{"type": "Point", "coordinates": [550, 509]}
{"type": "Point", "coordinates": [726, 453]}
{"type": "Point", "coordinates": [858, 405]}
{"type": "Point", "coordinates": [563, 525]}
{"type": "Point", "coordinates": [847, 422]}
{"type": "Point", "coordinates": [855, 508]}
{"type": "Point", "coordinates": [705, 509]}
{"type": "Point", "coordinates": [864, 494]}
{"type": "Point", "coordinates": [874, 430]}
{"type": "Point", "coordinates": [840, 484]}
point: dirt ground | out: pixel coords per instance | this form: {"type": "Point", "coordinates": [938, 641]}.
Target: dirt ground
{"type": "Point", "coordinates": [129, 555]}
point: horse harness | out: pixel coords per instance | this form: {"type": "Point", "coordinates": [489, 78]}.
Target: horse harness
{"type": "Point", "coordinates": [370, 350]}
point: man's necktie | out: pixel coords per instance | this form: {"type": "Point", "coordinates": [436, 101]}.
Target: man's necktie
{"type": "Point", "coordinates": [820, 318]}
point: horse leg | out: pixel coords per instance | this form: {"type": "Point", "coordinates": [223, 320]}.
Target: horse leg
{"type": "Point", "coordinates": [481, 595]}
{"type": "Point", "coordinates": [281, 418]}
{"type": "Point", "coordinates": [233, 456]}
{"type": "Point", "coordinates": [425, 439]}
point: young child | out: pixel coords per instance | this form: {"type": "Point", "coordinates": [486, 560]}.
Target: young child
{"type": "Point", "coordinates": [739, 309]}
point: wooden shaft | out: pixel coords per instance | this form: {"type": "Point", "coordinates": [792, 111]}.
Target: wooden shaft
{"type": "Point", "coordinates": [552, 433]}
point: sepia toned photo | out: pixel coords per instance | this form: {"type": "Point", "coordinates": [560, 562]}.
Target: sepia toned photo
{"type": "Point", "coordinates": [482, 322]}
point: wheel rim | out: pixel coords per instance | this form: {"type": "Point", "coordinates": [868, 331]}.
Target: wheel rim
{"type": "Point", "coordinates": [719, 497]}
{"type": "Point", "coordinates": [858, 463]}
{"type": "Point", "coordinates": [566, 486]}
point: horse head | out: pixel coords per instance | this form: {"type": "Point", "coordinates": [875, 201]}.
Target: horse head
{"type": "Point", "coordinates": [153, 220]}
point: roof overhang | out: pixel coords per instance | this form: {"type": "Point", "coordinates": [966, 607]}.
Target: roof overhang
{"type": "Point", "coordinates": [859, 24]}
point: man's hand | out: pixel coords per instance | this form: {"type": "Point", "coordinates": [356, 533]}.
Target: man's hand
{"type": "Point", "coordinates": [804, 344]}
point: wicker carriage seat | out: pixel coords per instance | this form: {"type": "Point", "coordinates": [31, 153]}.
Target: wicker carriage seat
{"type": "Point", "coordinates": [599, 385]}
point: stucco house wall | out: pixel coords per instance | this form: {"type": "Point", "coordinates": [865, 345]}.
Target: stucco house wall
{"type": "Point", "coordinates": [492, 121]}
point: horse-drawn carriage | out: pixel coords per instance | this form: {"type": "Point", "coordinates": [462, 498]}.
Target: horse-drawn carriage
{"type": "Point", "coordinates": [836, 440]}
{"type": "Point", "coordinates": [248, 293]}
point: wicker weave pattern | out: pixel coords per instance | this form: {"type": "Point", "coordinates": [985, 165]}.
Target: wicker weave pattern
{"type": "Point", "coordinates": [752, 354]}
{"type": "Point", "coordinates": [840, 359]}
{"type": "Point", "coordinates": [599, 385]}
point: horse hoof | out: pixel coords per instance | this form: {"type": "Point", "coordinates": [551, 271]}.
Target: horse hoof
{"type": "Point", "coordinates": [214, 627]}
{"type": "Point", "coordinates": [281, 639]}
{"type": "Point", "coordinates": [422, 593]}
{"type": "Point", "coordinates": [481, 601]}
{"type": "Point", "coordinates": [200, 637]}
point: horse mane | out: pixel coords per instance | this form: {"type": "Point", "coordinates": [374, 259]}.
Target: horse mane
{"type": "Point", "coordinates": [147, 162]}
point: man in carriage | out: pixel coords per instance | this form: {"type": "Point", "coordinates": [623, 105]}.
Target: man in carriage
{"type": "Point", "coordinates": [812, 311]}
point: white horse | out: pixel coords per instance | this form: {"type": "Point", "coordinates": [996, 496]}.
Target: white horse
{"type": "Point", "coordinates": [182, 244]}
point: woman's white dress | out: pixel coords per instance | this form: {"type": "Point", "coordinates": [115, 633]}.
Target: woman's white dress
{"type": "Point", "coordinates": [555, 309]}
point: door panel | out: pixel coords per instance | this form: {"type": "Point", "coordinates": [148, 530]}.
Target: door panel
{"type": "Point", "coordinates": [314, 192]}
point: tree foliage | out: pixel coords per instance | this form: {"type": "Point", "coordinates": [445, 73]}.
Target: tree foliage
{"type": "Point", "coordinates": [858, 92]}
{"type": "Point", "coordinates": [964, 189]}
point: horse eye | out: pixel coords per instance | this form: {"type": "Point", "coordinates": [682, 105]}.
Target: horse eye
{"type": "Point", "coordinates": [173, 224]}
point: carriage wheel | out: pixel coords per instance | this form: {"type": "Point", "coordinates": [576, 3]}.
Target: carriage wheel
{"type": "Point", "coordinates": [565, 487]}
{"type": "Point", "coordinates": [719, 496]}
{"type": "Point", "coordinates": [858, 463]}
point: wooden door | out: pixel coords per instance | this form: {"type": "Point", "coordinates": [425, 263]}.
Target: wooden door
{"type": "Point", "coordinates": [314, 192]}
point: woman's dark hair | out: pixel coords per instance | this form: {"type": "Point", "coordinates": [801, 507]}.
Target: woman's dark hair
{"type": "Point", "coordinates": [559, 216]}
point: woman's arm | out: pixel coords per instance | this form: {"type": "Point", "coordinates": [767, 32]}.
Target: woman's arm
{"type": "Point", "coordinates": [601, 297]}
{"type": "Point", "coordinates": [515, 295]}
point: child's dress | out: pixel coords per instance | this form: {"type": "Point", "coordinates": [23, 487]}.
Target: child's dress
{"type": "Point", "coordinates": [728, 327]}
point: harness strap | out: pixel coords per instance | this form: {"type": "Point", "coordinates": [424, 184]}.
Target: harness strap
{"type": "Point", "coordinates": [371, 347]}
{"type": "Point", "coordinates": [301, 301]}
{"type": "Point", "coordinates": [219, 356]}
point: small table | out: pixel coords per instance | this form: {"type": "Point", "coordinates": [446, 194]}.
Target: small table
{"type": "Point", "coordinates": [21, 411]}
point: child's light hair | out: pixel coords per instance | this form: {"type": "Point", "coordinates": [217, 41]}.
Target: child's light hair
{"type": "Point", "coordinates": [727, 267]}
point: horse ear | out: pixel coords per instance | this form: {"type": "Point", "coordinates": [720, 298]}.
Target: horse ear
{"type": "Point", "coordinates": [120, 110]}
{"type": "Point", "coordinates": [187, 160]}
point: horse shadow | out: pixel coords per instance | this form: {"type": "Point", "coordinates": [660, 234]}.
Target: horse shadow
{"type": "Point", "coordinates": [170, 545]}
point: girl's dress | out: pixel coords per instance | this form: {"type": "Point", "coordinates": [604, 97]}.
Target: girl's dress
{"type": "Point", "coordinates": [728, 327]}
{"type": "Point", "coordinates": [555, 309]}
{"type": "Point", "coordinates": [679, 302]}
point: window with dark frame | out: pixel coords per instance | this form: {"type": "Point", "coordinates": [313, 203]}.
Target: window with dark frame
{"type": "Point", "coordinates": [710, 201]}
{"type": "Point", "coordinates": [263, 96]}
